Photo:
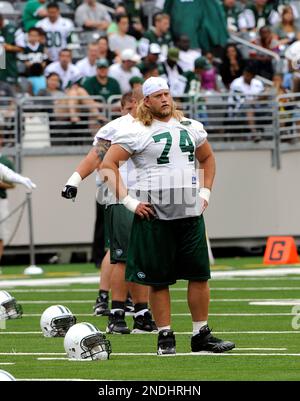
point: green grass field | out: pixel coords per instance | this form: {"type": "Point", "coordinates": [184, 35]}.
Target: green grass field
{"type": "Point", "coordinates": [267, 346]}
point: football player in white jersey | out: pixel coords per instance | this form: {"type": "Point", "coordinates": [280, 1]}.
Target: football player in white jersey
{"type": "Point", "coordinates": [168, 240]}
{"type": "Point", "coordinates": [118, 220]}
{"type": "Point", "coordinates": [58, 30]}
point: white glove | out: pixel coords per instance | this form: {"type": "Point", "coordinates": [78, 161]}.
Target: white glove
{"type": "Point", "coordinates": [27, 182]}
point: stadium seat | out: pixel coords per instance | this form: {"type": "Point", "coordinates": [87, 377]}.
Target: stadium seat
{"type": "Point", "coordinates": [65, 10]}
{"type": "Point", "coordinates": [6, 8]}
{"type": "Point", "coordinates": [36, 130]}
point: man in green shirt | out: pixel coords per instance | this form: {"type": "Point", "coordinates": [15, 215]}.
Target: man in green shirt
{"type": "Point", "coordinates": [159, 34]}
{"type": "Point", "coordinates": [7, 40]}
{"type": "Point", "coordinates": [203, 21]}
{"type": "Point", "coordinates": [102, 84]}
{"type": "Point", "coordinates": [33, 12]}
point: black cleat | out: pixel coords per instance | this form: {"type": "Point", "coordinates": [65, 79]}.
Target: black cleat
{"type": "Point", "coordinates": [117, 324]}
{"type": "Point", "coordinates": [129, 307]}
{"type": "Point", "coordinates": [205, 341]}
{"type": "Point", "coordinates": [101, 308]}
{"type": "Point", "coordinates": [144, 324]}
{"type": "Point", "coordinates": [166, 343]}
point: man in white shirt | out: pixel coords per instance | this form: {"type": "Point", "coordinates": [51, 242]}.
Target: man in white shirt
{"type": "Point", "coordinates": [58, 30]}
{"type": "Point", "coordinates": [243, 93]}
{"type": "Point", "coordinates": [187, 56]}
{"type": "Point", "coordinates": [87, 65]}
{"type": "Point", "coordinates": [126, 70]}
{"type": "Point", "coordinates": [167, 240]}
{"type": "Point", "coordinates": [92, 16]}
{"type": "Point", "coordinates": [68, 72]}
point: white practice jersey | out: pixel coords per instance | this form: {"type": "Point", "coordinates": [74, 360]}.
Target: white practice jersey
{"type": "Point", "coordinates": [127, 170]}
{"type": "Point", "coordinates": [57, 34]}
{"type": "Point", "coordinates": [164, 157]}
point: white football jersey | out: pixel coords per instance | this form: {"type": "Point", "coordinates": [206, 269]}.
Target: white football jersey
{"type": "Point", "coordinates": [127, 170]}
{"type": "Point", "coordinates": [164, 157]}
{"type": "Point", "coordinates": [57, 34]}
{"type": "Point", "coordinates": [68, 76]}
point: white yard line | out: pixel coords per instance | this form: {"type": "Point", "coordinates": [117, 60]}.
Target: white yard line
{"type": "Point", "coordinates": [94, 278]}
{"type": "Point", "coordinates": [79, 290]}
{"type": "Point", "coordinates": [183, 314]}
{"type": "Point", "coordinates": [278, 302]}
{"type": "Point", "coordinates": [4, 332]}
{"type": "Point", "coordinates": [124, 353]}
{"type": "Point", "coordinates": [196, 354]}
{"type": "Point", "coordinates": [83, 301]}
{"type": "Point", "coordinates": [7, 363]}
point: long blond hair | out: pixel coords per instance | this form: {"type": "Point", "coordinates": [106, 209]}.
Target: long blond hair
{"type": "Point", "coordinates": [145, 115]}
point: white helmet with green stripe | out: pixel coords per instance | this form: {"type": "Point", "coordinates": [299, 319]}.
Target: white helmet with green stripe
{"type": "Point", "coordinates": [56, 321]}
{"type": "Point", "coordinates": [85, 342]}
{"type": "Point", "coordinates": [9, 308]}
{"type": "Point", "coordinates": [6, 377]}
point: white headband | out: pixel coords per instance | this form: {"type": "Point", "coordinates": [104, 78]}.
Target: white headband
{"type": "Point", "coordinates": [154, 84]}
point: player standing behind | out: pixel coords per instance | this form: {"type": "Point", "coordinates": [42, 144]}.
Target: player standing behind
{"type": "Point", "coordinates": [119, 226]}
{"type": "Point", "coordinates": [168, 239]}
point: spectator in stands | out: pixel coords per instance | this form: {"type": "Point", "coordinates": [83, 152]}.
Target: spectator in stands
{"type": "Point", "coordinates": [58, 30]}
{"type": "Point", "coordinates": [67, 71]}
{"type": "Point", "coordinates": [113, 26]}
{"type": "Point", "coordinates": [264, 63]}
{"type": "Point", "coordinates": [159, 33]}
{"type": "Point", "coordinates": [104, 50]}
{"type": "Point", "coordinates": [279, 5]}
{"type": "Point", "coordinates": [136, 83]}
{"type": "Point", "coordinates": [150, 70]}
{"type": "Point", "coordinates": [244, 92]}
{"type": "Point", "coordinates": [259, 14]}
{"type": "Point", "coordinates": [292, 55]}
{"type": "Point", "coordinates": [173, 73]}
{"type": "Point", "coordinates": [92, 16]}
{"type": "Point", "coordinates": [151, 58]}
{"type": "Point", "coordinates": [53, 87]}
{"type": "Point", "coordinates": [101, 84]}
{"type": "Point", "coordinates": [121, 40]}
{"type": "Point", "coordinates": [187, 56]}
{"type": "Point", "coordinates": [36, 78]}
{"type": "Point", "coordinates": [135, 29]}
{"type": "Point", "coordinates": [7, 40]}
{"type": "Point", "coordinates": [287, 31]}
{"type": "Point", "coordinates": [234, 17]}
{"type": "Point", "coordinates": [87, 66]}
{"type": "Point", "coordinates": [33, 50]}
{"type": "Point", "coordinates": [7, 107]}
{"type": "Point", "coordinates": [232, 64]}
{"type": "Point", "coordinates": [122, 72]}
{"type": "Point", "coordinates": [206, 74]}
{"type": "Point", "coordinates": [34, 11]}
{"type": "Point", "coordinates": [203, 21]}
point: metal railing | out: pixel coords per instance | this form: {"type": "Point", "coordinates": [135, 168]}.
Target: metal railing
{"type": "Point", "coordinates": [289, 120]}
{"type": "Point", "coordinates": [233, 121]}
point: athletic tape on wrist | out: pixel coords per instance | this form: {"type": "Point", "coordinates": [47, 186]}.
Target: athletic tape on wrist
{"type": "Point", "coordinates": [74, 180]}
{"type": "Point", "coordinates": [130, 203]}
{"type": "Point", "coordinates": [204, 193]}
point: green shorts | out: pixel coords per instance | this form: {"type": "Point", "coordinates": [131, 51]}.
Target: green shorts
{"type": "Point", "coordinates": [119, 222]}
{"type": "Point", "coordinates": [163, 251]}
{"type": "Point", "coordinates": [106, 230]}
